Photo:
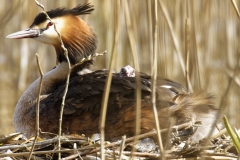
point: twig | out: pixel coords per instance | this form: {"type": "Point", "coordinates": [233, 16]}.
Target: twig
{"type": "Point", "coordinates": [137, 68]}
{"type": "Point", "coordinates": [5, 138]}
{"type": "Point", "coordinates": [39, 152]}
{"type": "Point", "coordinates": [170, 154]}
{"type": "Point", "coordinates": [67, 78]}
{"type": "Point", "coordinates": [88, 58]}
{"type": "Point", "coordinates": [117, 152]}
{"type": "Point", "coordinates": [39, 93]}
{"type": "Point", "coordinates": [107, 86]}
{"type": "Point", "coordinates": [235, 7]}
{"type": "Point", "coordinates": [85, 150]}
{"type": "Point", "coordinates": [154, 78]}
{"type": "Point", "coordinates": [219, 133]}
{"type": "Point", "coordinates": [122, 146]}
{"type": "Point", "coordinates": [41, 144]}
{"type": "Point", "coordinates": [37, 106]}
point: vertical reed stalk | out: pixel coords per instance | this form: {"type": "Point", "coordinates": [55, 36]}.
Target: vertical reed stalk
{"type": "Point", "coordinates": [154, 78]}
{"type": "Point", "coordinates": [136, 66]}
{"type": "Point", "coordinates": [108, 84]}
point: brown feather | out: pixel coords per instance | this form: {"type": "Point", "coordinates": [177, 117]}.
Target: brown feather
{"type": "Point", "coordinates": [83, 102]}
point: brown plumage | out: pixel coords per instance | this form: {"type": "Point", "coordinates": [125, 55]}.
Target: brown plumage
{"type": "Point", "coordinates": [83, 100]}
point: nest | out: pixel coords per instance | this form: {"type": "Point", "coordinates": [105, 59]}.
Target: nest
{"type": "Point", "coordinates": [17, 146]}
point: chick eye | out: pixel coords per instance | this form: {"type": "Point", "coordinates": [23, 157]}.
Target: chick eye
{"type": "Point", "coordinates": [49, 24]}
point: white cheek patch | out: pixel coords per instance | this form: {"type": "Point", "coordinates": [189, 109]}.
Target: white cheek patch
{"type": "Point", "coordinates": [49, 35]}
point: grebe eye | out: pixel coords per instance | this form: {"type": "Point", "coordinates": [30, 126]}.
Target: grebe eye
{"type": "Point", "coordinates": [49, 24]}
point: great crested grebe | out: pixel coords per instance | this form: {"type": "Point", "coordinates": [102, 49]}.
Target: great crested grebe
{"type": "Point", "coordinates": [83, 100]}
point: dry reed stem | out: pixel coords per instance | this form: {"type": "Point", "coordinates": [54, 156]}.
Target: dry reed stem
{"type": "Point", "coordinates": [76, 155]}
{"type": "Point", "coordinates": [107, 86]}
{"type": "Point", "coordinates": [149, 155]}
{"type": "Point", "coordinates": [122, 146]}
{"type": "Point", "coordinates": [235, 7]}
{"type": "Point", "coordinates": [67, 79]}
{"type": "Point", "coordinates": [25, 146]}
{"type": "Point", "coordinates": [38, 152]}
{"type": "Point", "coordinates": [170, 155]}
{"type": "Point", "coordinates": [223, 131]}
{"type": "Point", "coordinates": [173, 35]}
{"type": "Point", "coordinates": [136, 66]}
{"type": "Point", "coordinates": [39, 93]}
{"type": "Point", "coordinates": [187, 54]}
{"type": "Point", "coordinates": [187, 35]}
{"type": "Point", "coordinates": [149, 12]}
{"type": "Point", "coordinates": [153, 81]}
{"type": "Point", "coordinates": [194, 40]}
{"type": "Point", "coordinates": [37, 105]}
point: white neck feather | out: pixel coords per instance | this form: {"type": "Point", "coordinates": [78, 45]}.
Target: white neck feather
{"type": "Point", "coordinates": [29, 97]}
{"type": "Point", "coordinates": [56, 74]}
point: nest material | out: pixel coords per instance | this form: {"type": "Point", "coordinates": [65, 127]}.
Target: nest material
{"type": "Point", "coordinates": [16, 146]}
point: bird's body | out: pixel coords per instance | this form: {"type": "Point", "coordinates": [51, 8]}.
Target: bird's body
{"type": "Point", "coordinates": [83, 101]}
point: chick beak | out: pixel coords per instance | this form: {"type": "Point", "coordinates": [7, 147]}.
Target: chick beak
{"type": "Point", "coordinates": [28, 33]}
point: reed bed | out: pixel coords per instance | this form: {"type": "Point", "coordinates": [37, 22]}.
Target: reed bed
{"type": "Point", "coordinates": [196, 43]}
